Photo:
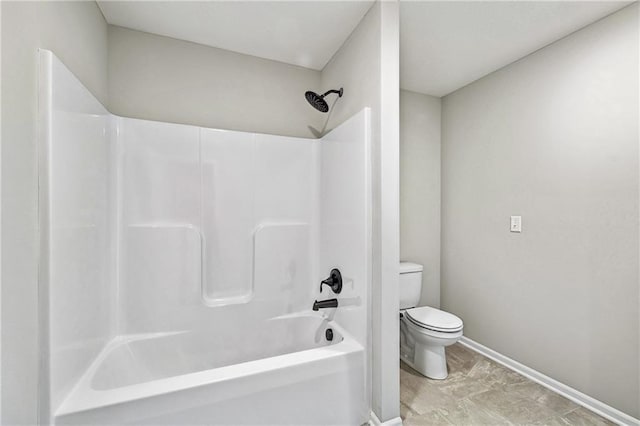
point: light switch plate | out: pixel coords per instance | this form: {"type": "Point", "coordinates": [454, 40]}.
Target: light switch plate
{"type": "Point", "coordinates": [516, 224]}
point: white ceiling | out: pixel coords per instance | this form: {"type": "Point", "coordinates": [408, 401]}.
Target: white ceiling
{"type": "Point", "coordinates": [304, 33]}
{"type": "Point", "coordinates": [447, 45]}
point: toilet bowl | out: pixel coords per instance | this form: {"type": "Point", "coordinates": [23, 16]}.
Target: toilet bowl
{"type": "Point", "coordinates": [427, 331]}
{"type": "Point", "coordinates": [424, 331]}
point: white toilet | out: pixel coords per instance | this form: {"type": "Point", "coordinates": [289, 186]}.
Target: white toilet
{"type": "Point", "coordinates": [424, 331]}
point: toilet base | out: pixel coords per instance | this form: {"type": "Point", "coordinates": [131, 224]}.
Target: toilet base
{"type": "Point", "coordinates": [430, 361]}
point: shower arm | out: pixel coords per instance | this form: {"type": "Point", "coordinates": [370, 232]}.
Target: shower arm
{"type": "Point", "coordinates": [339, 92]}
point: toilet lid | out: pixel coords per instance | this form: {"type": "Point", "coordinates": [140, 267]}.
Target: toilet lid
{"type": "Point", "coordinates": [434, 319]}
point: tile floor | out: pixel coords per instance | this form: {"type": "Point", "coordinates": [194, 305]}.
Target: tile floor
{"type": "Point", "coordinates": [479, 391]}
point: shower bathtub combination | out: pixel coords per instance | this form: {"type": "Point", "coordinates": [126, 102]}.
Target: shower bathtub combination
{"type": "Point", "coordinates": [179, 268]}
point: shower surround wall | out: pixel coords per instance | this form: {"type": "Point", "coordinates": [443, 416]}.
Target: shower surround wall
{"type": "Point", "coordinates": [78, 32]}
{"type": "Point", "coordinates": [213, 219]}
{"type": "Point", "coordinates": [172, 253]}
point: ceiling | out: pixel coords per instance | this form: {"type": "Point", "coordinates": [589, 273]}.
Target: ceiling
{"type": "Point", "coordinates": [304, 33]}
{"type": "Point", "coordinates": [447, 45]}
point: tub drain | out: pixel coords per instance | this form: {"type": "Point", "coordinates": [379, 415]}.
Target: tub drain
{"type": "Point", "coordinates": [328, 334]}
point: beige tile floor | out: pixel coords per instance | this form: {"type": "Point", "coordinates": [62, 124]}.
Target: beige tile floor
{"type": "Point", "coordinates": [479, 391]}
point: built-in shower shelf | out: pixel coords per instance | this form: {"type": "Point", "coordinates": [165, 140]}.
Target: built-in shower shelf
{"type": "Point", "coordinates": [280, 264]}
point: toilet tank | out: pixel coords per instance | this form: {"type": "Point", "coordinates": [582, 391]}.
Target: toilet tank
{"type": "Point", "coordinates": [410, 284]}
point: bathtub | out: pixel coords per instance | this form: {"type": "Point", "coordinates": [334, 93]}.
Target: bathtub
{"type": "Point", "coordinates": [282, 368]}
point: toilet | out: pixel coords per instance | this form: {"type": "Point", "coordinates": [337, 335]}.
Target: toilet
{"type": "Point", "coordinates": [424, 331]}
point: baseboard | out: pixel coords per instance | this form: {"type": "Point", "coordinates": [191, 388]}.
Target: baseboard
{"type": "Point", "coordinates": [568, 392]}
{"type": "Point", "coordinates": [375, 421]}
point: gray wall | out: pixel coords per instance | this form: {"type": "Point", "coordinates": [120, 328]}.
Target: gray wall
{"type": "Point", "coordinates": [420, 189]}
{"type": "Point", "coordinates": [353, 67]}
{"type": "Point", "coordinates": [554, 138]}
{"type": "Point", "coordinates": [367, 67]}
{"type": "Point", "coordinates": [159, 78]}
{"type": "Point", "coordinates": [77, 32]}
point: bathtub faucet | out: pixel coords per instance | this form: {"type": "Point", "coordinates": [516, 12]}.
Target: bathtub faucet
{"type": "Point", "coordinates": [329, 303]}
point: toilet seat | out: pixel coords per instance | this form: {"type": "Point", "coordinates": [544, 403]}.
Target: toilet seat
{"type": "Point", "coordinates": [434, 319]}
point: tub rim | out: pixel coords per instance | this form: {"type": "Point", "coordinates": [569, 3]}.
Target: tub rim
{"type": "Point", "coordinates": [83, 397]}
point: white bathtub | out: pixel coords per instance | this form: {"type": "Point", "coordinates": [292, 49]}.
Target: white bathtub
{"type": "Point", "coordinates": [282, 368]}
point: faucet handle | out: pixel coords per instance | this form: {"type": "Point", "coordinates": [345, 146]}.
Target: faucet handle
{"type": "Point", "coordinates": [334, 281]}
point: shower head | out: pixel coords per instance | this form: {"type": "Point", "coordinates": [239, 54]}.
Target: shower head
{"type": "Point", "coordinates": [318, 102]}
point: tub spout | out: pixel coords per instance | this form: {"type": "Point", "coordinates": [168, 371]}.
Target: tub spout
{"type": "Point", "coordinates": [329, 303]}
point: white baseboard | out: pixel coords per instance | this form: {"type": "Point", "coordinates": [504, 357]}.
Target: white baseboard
{"type": "Point", "coordinates": [375, 421]}
{"type": "Point", "coordinates": [568, 392]}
